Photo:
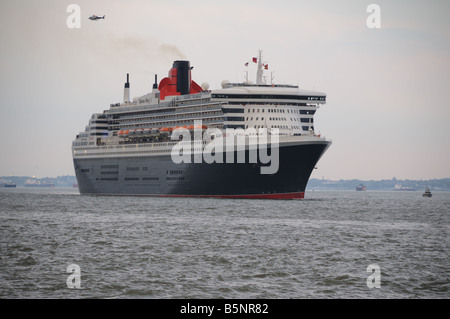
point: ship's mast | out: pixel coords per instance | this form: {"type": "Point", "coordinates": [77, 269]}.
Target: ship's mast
{"type": "Point", "coordinates": [259, 71]}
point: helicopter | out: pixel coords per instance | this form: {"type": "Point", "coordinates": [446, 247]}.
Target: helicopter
{"type": "Point", "coordinates": [94, 17]}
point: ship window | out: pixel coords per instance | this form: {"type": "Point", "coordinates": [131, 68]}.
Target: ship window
{"type": "Point", "coordinates": [234, 118]}
{"type": "Point", "coordinates": [110, 166]}
{"type": "Point", "coordinates": [175, 172]}
{"type": "Point", "coordinates": [85, 170]}
{"type": "Point", "coordinates": [311, 112]}
{"type": "Point", "coordinates": [132, 169]}
{"type": "Point", "coordinates": [175, 178]}
{"type": "Point", "coordinates": [227, 110]}
{"type": "Point", "coordinates": [150, 178]}
{"type": "Point", "coordinates": [233, 126]}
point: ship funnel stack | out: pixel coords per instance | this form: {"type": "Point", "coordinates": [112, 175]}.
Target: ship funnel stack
{"type": "Point", "coordinates": [179, 81]}
{"type": "Point", "coordinates": [126, 90]}
{"type": "Point", "coordinates": [183, 74]}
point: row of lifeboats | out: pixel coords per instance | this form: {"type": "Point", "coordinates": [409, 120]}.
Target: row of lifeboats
{"type": "Point", "coordinates": [144, 131]}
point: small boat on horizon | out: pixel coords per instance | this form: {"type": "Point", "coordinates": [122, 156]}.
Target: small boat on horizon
{"type": "Point", "coordinates": [427, 193]}
{"type": "Point", "coordinates": [361, 187]}
{"type": "Point", "coordinates": [37, 183]}
{"type": "Point", "coordinates": [9, 185]}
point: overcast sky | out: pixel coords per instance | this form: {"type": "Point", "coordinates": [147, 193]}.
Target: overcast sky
{"type": "Point", "coordinates": [387, 108]}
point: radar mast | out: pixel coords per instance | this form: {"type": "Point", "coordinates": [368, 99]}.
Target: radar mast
{"type": "Point", "coordinates": [259, 71]}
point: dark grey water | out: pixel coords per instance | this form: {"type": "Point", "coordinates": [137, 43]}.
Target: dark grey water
{"type": "Point", "coordinates": [319, 247]}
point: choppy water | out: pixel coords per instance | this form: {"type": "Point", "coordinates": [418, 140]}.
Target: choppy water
{"type": "Point", "coordinates": [129, 247]}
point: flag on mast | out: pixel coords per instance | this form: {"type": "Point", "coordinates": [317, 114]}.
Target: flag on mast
{"type": "Point", "coordinates": [255, 60]}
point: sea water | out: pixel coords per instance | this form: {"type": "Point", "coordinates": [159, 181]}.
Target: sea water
{"type": "Point", "coordinates": [332, 244]}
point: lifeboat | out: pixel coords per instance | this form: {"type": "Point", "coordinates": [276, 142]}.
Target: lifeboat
{"type": "Point", "coordinates": [123, 133]}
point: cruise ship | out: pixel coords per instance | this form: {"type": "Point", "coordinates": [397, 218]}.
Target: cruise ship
{"type": "Point", "coordinates": [144, 146]}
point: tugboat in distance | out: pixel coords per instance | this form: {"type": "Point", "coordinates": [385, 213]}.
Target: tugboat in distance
{"type": "Point", "coordinates": [427, 193]}
{"type": "Point", "coordinates": [361, 187]}
{"type": "Point", "coordinates": [8, 184]}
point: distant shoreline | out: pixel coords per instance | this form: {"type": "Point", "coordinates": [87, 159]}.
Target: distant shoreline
{"type": "Point", "coordinates": [313, 183]}
{"type": "Point", "coordinates": [386, 184]}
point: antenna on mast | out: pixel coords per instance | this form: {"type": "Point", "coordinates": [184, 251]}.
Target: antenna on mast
{"type": "Point", "coordinates": [259, 71]}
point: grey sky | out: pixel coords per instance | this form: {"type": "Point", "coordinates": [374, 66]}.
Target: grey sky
{"type": "Point", "coordinates": [387, 110]}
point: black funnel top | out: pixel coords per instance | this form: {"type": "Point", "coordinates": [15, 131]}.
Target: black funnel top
{"type": "Point", "coordinates": [183, 76]}
{"type": "Point", "coordinates": [155, 85]}
{"type": "Point", "coordinates": [127, 85]}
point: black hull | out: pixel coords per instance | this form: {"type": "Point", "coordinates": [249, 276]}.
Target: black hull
{"type": "Point", "coordinates": [160, 176]}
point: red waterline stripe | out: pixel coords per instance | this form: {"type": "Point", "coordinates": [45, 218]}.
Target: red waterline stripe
{"type": "Point", "coordinates": [297, 195]}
